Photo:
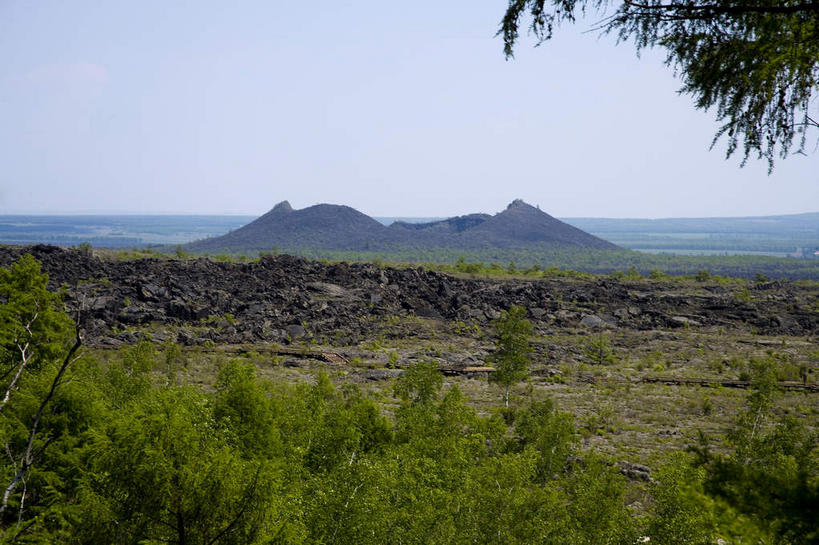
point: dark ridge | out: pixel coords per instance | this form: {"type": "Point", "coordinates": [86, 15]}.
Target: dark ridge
{"type": "Point", "coordinates": [326, 226]}
{"type": "Point", "coordinates": [450, 225]}
{"type": "Point", "coordinates": [335, 227]}
{"type": "Point", "coordinates": [522, 224]}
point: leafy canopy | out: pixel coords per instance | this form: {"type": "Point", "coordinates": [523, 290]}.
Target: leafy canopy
{"type": "Point", "coordinates": [32, 320]}
{"type": "Point", "coordinates": [511, 357]}
{"type": "Point", "coordinates": [756, 62]}
{"type": "Point", "coordinates": [772, 471]}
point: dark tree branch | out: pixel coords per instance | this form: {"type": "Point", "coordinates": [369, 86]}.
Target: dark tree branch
{"type": "Point", "coordinates": [714, 9]}
{"type": "Point", "coordinates": [248, 496]}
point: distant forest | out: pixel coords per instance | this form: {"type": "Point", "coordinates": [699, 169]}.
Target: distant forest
{"type": "Point", "coordinates": [533, 261]}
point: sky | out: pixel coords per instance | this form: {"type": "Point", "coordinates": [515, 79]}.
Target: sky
{"type": "Point", "coordinates": [395, 109]}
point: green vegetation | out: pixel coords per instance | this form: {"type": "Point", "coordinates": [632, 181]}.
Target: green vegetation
{"type": "Point", "coordinates": [35, 353]}
{"type": "Point", "coordinates": [137, 445]}
{"type": "Point", "coordinates": [511, 357]}
{"type": "Point", "coordinates": [135, 457]}
{"type": "Point", "coordinates": [551, 261]}
{"type": "Point", "coordinates": [598, 350]}
{"type": "Point", "coordinates": [772, 470]}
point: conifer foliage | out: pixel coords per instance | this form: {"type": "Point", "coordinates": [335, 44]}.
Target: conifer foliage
{"type": "Point", "coordinates": [755, 63]}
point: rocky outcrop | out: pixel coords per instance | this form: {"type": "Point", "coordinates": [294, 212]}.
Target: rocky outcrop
{"type": "Point", "coordinates": [284, 298]}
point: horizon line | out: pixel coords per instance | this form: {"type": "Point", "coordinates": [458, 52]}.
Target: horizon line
{"type": "Point", "coordinates": [374, 216]}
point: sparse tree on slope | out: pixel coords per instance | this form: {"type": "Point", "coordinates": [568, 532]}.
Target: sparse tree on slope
{"type": "Point", "coordinates": [511, 357]}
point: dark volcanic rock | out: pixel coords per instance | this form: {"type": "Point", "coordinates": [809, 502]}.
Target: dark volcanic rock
{"type": "Point", "coordinates": [269, 300]}
{"type": "Point", "coordinates": [635, 472]}
{"type": "Point", "coordinates": [295, 332]}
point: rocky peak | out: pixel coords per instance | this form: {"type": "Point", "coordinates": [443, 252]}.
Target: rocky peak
{"type": "Point", "coordinates": [283, 206]}
{"type": "Point", "coordinates": [519, 205]}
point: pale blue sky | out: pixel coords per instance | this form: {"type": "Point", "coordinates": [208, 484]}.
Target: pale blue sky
{"type": "Point", "coordinates": [397, 109]}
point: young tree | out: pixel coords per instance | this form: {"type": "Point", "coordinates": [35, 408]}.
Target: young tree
{"type": "Point", "coordinates": [550, 433]}
{"type": "Point", "coordinates": [33, 324]}
{"type": "Point", "coordinates": [772, 472]}
{"type": "Point", "coordinates": [511, 357]}
{"type": "Point", "coordinates": [420, 384]}
{"type": "Point", "coordinates": [599, 351]}
{"type": "Point", "coordinates": [679, 516]}
{"type": "Point", "coordinates": [755, 62]}
{"type": "Point", "coordinates": [35, 333]}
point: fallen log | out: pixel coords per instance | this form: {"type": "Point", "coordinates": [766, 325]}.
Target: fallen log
{"type": "Point", "coordinates": [678, 381]}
